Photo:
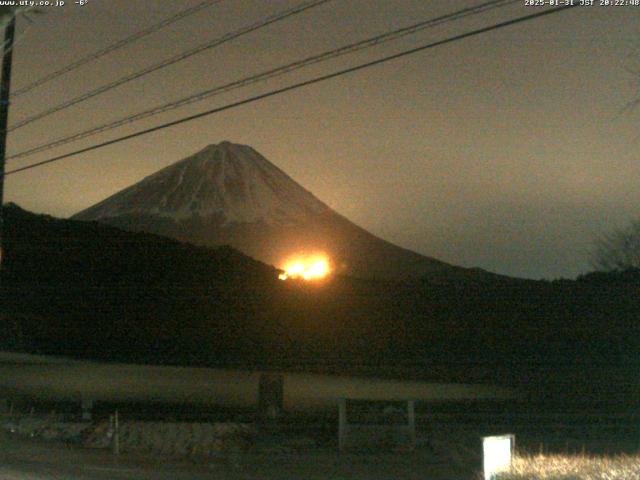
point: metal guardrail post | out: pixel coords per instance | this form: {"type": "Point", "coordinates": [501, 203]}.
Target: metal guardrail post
{"type": "Point", "coordinates": [342, 423]}
{"type": "Point", "coordinates": [116, 434]}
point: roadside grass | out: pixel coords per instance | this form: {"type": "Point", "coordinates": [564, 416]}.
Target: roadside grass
{"type": "Point", "coordinates": [573, 467]}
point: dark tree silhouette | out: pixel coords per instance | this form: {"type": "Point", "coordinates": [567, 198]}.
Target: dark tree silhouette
{"type": "Point", "coordinates": [618, 250]}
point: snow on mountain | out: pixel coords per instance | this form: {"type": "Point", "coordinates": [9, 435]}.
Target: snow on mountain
{"type": "Point", "coordinates": [229, 194]}
{"type": "Point", "coordinates": [227, 180]}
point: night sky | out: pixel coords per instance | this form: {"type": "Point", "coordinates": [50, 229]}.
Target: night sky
{"type": "Point", "coordinates": [509, 151]}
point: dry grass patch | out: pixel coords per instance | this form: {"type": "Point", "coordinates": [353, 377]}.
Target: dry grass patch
{"type": "Point", "coordinates": [574, 467]}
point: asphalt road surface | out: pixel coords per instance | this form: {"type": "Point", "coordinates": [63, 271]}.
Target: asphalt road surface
{"type": "Point", "coordinates": [23, 459]}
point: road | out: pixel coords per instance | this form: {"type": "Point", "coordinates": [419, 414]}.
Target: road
{"type": "Point", "coordinates": [23, 459]}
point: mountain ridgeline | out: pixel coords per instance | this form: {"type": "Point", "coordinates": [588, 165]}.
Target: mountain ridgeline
{"type": "Point", "coordinates": [94, 291]}
{"type": "Point", "coordinates": [229, 194]}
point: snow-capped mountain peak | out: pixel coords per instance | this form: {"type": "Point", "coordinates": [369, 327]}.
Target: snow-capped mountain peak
{"type": "Point", "coordinates": [229, 181]}
{"type": "Point", "coordinates": [229, 194]}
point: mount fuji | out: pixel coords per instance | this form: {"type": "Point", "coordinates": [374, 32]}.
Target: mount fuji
{"type": "Point", "coordinates": [229, 194]}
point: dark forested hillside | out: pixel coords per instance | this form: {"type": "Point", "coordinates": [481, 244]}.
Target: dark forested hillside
{"type": "Point", "coordinates": [93, 291]}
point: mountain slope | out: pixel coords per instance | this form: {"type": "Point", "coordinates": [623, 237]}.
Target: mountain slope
{"type": "Point", "coordinates": [229, 194]}
{"type": "Point", "coordinates": [92, 291]}
{"type": "Point", "coordinates": [226, 180]}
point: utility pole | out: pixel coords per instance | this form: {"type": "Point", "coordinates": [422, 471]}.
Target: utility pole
{"type": "Point", "coordinates": [5, 88]}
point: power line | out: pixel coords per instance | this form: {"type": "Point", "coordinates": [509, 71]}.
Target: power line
{"type": "Point", "coordinates": [295, 87]}
{"type": "Point", "coordinates": [178, 58]}
{"type": "Point", "coordinates": [116, 46]}
{"type": "Point", "coordinates": [263, 76]}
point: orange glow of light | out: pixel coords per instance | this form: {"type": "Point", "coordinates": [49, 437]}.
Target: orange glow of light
{"type": "Point", "coordinates": [306, 268]}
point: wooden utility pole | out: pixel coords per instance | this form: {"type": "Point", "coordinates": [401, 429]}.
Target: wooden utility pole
{"type": "Point", "coordinates": [5, 88]}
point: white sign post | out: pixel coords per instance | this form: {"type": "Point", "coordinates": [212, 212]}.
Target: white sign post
{"type": "Point", "coordinates": [497, 452]}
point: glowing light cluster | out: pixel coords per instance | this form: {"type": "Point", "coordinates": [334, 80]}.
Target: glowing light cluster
{"type": "Point", "coordinates": [306, 268]}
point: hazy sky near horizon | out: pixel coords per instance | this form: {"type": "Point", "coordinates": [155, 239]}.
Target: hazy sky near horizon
{"type": "Point", "coordinates": [509, 151]}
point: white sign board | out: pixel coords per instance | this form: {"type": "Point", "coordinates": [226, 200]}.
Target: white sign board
{"type": "Point", "coordinates": [497, 453]}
